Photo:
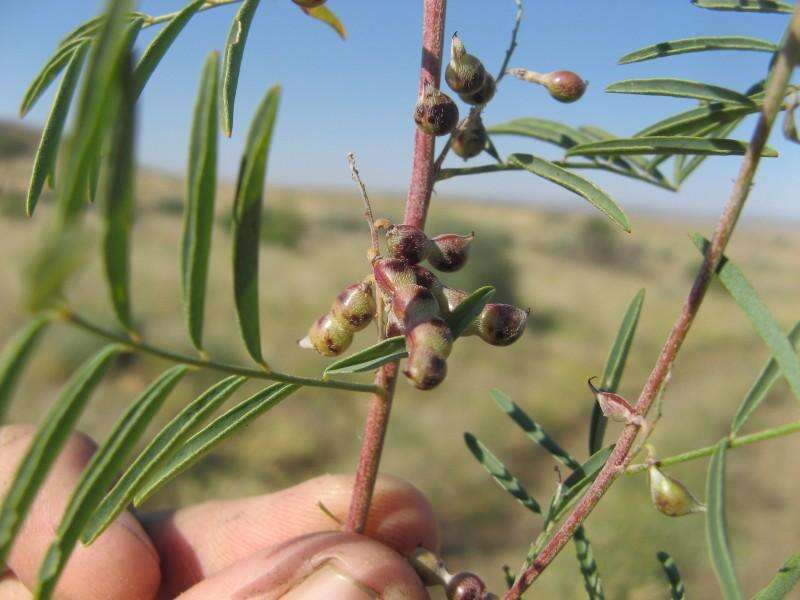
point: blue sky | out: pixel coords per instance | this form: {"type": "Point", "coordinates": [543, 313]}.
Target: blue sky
{"type": "Point", "coordinates": [358, 95]}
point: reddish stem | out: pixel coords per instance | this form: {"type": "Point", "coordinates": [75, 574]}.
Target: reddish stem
{"type": "Point", "coordinates": [419, 195]}
{"type": "Point", "coordinates": [621, 456]}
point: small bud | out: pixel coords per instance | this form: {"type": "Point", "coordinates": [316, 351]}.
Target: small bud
{"type": "Point", "coordinates": [425, 369]}
{"type": "Point", "coordinates": [464, 73]}
{"type": "Point", "coordinates": [328, 336]}
{"type": "Point", "coordinates": [670, 496]}
{"type": "Point", "coordinates": [484, 94]}
{"type": "Point", "coordinates": [393, 273]}
{"type": "Point", "coordinates": [355, 306]}
{"type": "Point", "coordinates": [435, 113]}
{"type": "Point", "coordinates": [614, 406]}
{"type": "Point", "coordinates": [465, 586]}
{"type": "Point", "coordinates": [408, 243]}
{"type": "Point", "coordinates": [565, 86]}
{"type": "Point", "coordinates": [449, 252]}
{"type": "Point", "coordinates": [501, 324]}
{"type": "Point", "coordinates": [469, 141]}
{"type": "Point", "coordinates": [309, 3]}
{"type": "Point", "coordinates": [433, 336]}
{"type": "Point", "coordinates": [414, 304]}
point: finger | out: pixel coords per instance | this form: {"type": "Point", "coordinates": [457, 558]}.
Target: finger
{"type": "Point", "coordinates": [121, 564]}
{"type": "Point", "coordinates": [344, 566]}
{"type": "Point", "coordinates": [201, 540]}
{"type": "Point", "coordinates": [12, 589]}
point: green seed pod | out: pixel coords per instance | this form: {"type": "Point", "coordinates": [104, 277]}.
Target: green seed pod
{"type": "Point", "coordinates": [392, 273]}
{"type": "Point", "coordinates": [435, 113]}
{"type": "Point", "coordinates": [670, 496]}
{"type": "Point", "coordinates": [484, 94]}
{"type": "Point", "coordinates": [328, 336]}
{"type": "Point", "coordinates": [501, 324]}
{"type": "Point", "coordinates": [450, 252]}
{"type": "Point", "coordinates": [470, 141]}
{"type": "Point", "coordinates": [465, 586]}
{"type": "Point", "coordinates": [407, 243]}
{"type": "Point", "coordinates": [464, 73]}
{"type": "Point", "coordinates": [414, 304]}
{"type": "Point", "coordinates": [425, 369]}
{"type": "Point", "coordinates": [309, 3]}
{"type": "Point", "coordinates": [564, 86]}
{"type": "Point", "coordinates": [355, 306]}
{"type": "Point", "coordinates": [432, 336]}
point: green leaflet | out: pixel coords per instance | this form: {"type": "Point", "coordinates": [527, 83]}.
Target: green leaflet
{"type": "Point", "coordinates": [629, 163]}
{"type": "Point", "coordinates": [541, 129]}
{"type": "Point", "coordinates": [716, 529]}
{"type": "Point", "coordinates": [469, 309]}
{"type": "Point", "coordinates": [615, 367]}
{"type": "Point", "coordinates": [784, 582]}
{"type": "Point", "coordinates": [327, 16]}
{"type": "Point", "coordinates": [669, 145]}
{"type": "Point", "coordinates": [574, 183]}
{"type": "Point", "coordinates": [761, 387]}
{"type": "Point", "coordinates": [47, 443]}
{"type": "Point", "coordinates": [762, 6]}
{"type": "Point", "coordinates": [588, 565]}
{"type": "Point", "coordinates": [500, 473]}
{"type": "Point", "coordinates": [15, 356]}
{"type": "Point", "coordinates": [247, 220]}
{"type": "Point", "coordinates": [217, 431]}
{"type": "Point", "coordinates": [533, 430]}
{"type": "Point", "coordinates": [762, 320]}
{"type": "Point", "coordinates": [370, 358]}
{"type": "Point", "coordinates": [44, 161]}
{"type": "Point", "coordinates": [201, 183]}
{"type": "Point", "coordinates": [685, 168]}
{"type": "Point", "coordinates": [492, 168]}
{"type": "Point", "coordinates": [54, 65]}
{"type": "Point", "coordinates": [698, 44]}
{"type": "Point", "coordinates": [86, 29]}
{"type": "Point", "coordinates": [685, 123]}
{"type": "Point", "coordinates": [676, 589]}
{"type": "Point", "coordinates": [116, 199]}
{"type": "Point", "coordinates": [679, 88]}
{"type": "Point", "coordinates": [167, 441]}
{"type": "Point", "coordinates": [232, 62]}
{"type": "Point", "coordinates": [99, 475]}
{"type": "Point", "coordinates": [158, 47]}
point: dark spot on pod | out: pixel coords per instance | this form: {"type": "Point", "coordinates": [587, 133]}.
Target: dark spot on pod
{"type": "Point", "coordinates": [501, 324]}
{"type": "Point", "coordinates": [465, 586]}
{"type": "Point", "coordinates": [484, 94]}
{"type": "Point", "coordinates": [407, 243]}
{"type": "Point", "coordinates": [450, 251]}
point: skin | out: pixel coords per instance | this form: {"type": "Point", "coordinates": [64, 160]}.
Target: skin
{"type": "Point", "coordinates": [279, 545]}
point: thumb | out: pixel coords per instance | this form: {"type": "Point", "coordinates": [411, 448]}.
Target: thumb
{"type": "Point", "coordinates": [337, 565]}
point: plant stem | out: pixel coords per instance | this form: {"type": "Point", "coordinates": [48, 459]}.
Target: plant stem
{"type": "Point", "coordinates": [735, 442]}
{"type": "Point", "coordinates": [621, 456]}
{"type": "Point", "coordinates": [419, 195]}
{"type": "Point", "coordinates": [204, 363]}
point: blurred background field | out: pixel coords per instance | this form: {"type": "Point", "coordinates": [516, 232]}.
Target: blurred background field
{"type": "Point", "coordinates": [575, 270]}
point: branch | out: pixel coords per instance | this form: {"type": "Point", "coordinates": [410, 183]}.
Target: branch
{"type": "Point", "coordinates": [621, 456]}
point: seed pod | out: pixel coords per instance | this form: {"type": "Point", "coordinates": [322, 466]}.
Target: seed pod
{"type": "Point", "coordinates": [465, 586]}
{"type": "Point", "coordinates": [309, 3]}
{"type": "Point", "coordinates": [425, 369]}
{"type": "Point", "coordinates": [564, 86]}
{"type": "Point", "coordinates": [464, 73]}
{"type": "Point", "coordinates": [501, 324]}
{"type": "Point", "coordinates": [394, 326]}
{"type": "Point", "coordinates": [670, 496]}
{"type": "Point", "coordinates": [428, 280]}
{"type": "Point", "coordinates": [484, 94]}
{"type": "Point", "coordinates": [435, 113]}
{"type": "Point", "coordinates": [432, 336]}
{"type": "Point", "coordinates": [414, 304]}
{"type": "Point", "coordinates": [392, 273]}
{"type": "Point", "coordinates": [407, 243]}
{"type": "Point", "coordinates": [328, 336]}
{"type": "Point", "coordinates": [449, 252]}
{"type": "Point", "coordinates": [470, 141]}
{"type": "Point", "coordinates": [355, 306]}
{"type": "Point", "coordinates": [454, 298]}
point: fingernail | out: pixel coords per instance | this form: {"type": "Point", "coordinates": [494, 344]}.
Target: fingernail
{"type": "Point", "coordinates": [328, 582]}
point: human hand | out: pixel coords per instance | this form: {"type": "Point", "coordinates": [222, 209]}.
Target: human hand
{"type": "Point", "coordinates": [278, 545]}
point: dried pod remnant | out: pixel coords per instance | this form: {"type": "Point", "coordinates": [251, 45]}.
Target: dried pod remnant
{"type": "Point", "coordinates": [564, 86]}
{"type": "Point", "coordinates": [484, 94]}
{"type": "Point", "coordinates": [407, 243]}
{"type": "Point", "coordinates": [464, 73]}
{"type": "Point", "coordinates": [670, 496]}
{"type": "Point", "coordinates": [470, 139]}
{"type": "Point", "coordinates": [450, 251]}
{"type": "Point", "coordinates": [435, 112]}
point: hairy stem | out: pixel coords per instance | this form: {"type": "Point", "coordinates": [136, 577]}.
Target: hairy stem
{"type": "Point", "coordinates": [419, 195]}
{"type": "Point", "coordinates": [621, 456]}
{"type": "Point", "coordinates": [734, 442]}
{"type": "Point", "coordinates": [203, 363]}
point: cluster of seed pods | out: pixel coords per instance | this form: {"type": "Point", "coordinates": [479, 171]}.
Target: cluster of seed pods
{"type": "Point", "coordinates": [417, 305]}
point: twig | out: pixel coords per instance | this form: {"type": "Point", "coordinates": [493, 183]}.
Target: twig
{"type": "Point", "coordinates": [512, 46]}
{"type": "Point", "coordinates": [621, 456]}
{"type": "Point", "coordinates": [351, 160]}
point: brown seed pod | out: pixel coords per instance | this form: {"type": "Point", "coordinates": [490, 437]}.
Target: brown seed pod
{"type": "Point", "coordinates": [465, 586]}
{"type": "Point", "coordinates": [427, 279]}
{"type": "Point", "coordinates": [501, 324]}
{"type": "Point", "coordinates": [425, 369]}
{"type": "Point", "coordinates": [414, 304]}
{"type": "Point", "coordinates": [355, 306]}
{"type": "Point", "coordinates": [484, 94]}
{"type": "Point", "coordinates": [407, 243]}
{"type": "Point", "coordinates": [435, 112]}
{"type": "Point", "coordinates": [328, 336]}
{"type": "Point", "coordinates": [464, 73]}
{"type": "Point", "coordinates": [469, 141]}
{"type": "Point", "coordinates": [670, 496]}
{"type": "Point", "coordinates": [432, 336]}
{"type": "Point", "coordinates": [309, 3]}
{"type": "Point", "coordinates": [449, 252]}
{"type": "Point", "coordinates": [564, 86]}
